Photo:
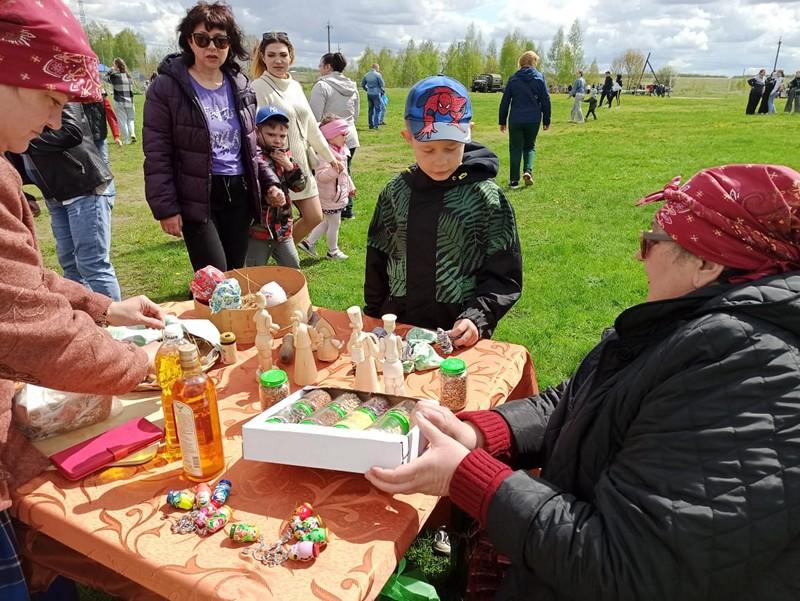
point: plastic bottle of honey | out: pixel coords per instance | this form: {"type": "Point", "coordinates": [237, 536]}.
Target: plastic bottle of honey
{"type": "Point", "coordinates": [194, 404]}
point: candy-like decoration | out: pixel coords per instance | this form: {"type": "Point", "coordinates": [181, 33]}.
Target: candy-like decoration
{"type": "Point", "coordinates": [202, 495]}
{"type": "Point", "coordinates": [201, 517]}
{"type": "Point", "coordinates": [317, 535]}
{"type": "Point", "coordinates": [244, 533]}
{"type": "Point", "coordinates": [205, 281]}
{"type": "Point", "coordinates": [445, 344]}
{"type": "Point", "coordinates": [221, 493]}
{"type": "Point", "coordinates": [227, 295]}
{"type": "Point", "coordinates": [304, 511]}
{"type": "Point", "coordinates": [218, 519]}
{"type": "Point", "coordinates": [181, 499]}
{"type": "Point", "coordinates": [305, 550]}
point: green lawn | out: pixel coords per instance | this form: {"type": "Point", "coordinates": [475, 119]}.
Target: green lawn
{"type": "Point", "coordinates": [578, 224]}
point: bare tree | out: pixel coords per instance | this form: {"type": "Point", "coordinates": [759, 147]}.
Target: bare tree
{"type": "Point", "coordinates": [631, 63]}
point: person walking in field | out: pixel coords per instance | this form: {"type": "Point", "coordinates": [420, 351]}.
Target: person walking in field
{"type": "Point", "coordinates": [577, 92]}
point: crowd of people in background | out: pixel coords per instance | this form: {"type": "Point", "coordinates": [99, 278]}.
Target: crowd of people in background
{"type": "Point", "coordinates": [765, 90]}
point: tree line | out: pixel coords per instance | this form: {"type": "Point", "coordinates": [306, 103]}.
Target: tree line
{"type": "Point", "coordinates": [462, 59]}
{"type": "Point", "coordinates": [465, 59]}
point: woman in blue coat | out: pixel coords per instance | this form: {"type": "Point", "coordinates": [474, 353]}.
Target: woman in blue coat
{"type": "Point", "coordinates": [525, 104]}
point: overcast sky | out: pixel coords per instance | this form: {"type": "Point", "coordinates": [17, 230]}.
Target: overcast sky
{"type": "Point", "coordinates": [726, 37]}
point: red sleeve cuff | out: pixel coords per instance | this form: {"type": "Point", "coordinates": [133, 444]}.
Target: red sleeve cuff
{"type": "Point", "coordinates": [475, 482]}
{"type": "Point", "coordinates": [495, 430]}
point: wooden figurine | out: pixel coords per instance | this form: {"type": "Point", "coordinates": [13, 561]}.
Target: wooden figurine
{"type": "Point", "coordinates": [363, 349]}
{"type": "Point", "coordinates": [286, 352]}
{"type": "Point", "coordinates": [391, 351]}
{"type": "Point", "coordinates": [305, 341]}
{"type": "Point", "coordinates": [264, 332]}
{"type": "Point", "coordinates": [329, 347]}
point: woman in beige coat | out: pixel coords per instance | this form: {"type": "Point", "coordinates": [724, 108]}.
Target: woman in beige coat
{"type": "Point", "coordinates": [274, 86]}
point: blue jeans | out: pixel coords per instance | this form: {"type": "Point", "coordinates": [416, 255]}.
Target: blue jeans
{"type": "Point", "coordinates": [82, 231]}
{"type": "Point", "coordinates": [375, 106]}
{"type": "Point", "coordinates": [381, 112]}
{"type": "Point", "coordinates": [771, 103]}
{"type": "Point", "coordinates": [102, 148]}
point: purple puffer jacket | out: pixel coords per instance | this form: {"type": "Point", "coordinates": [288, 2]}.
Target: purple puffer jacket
{"type": "Point", "coordinates": [177, 145]}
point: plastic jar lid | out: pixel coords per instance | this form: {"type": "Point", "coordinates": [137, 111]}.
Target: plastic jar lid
{"type": "Point", "coordinates": [402, 418]}
{"type": "Point", "coordinates": [273, 378]}
{"type": "Point", "coordinates": [227, 338]}
{"type": "Point", "coordinates": [453, 366]}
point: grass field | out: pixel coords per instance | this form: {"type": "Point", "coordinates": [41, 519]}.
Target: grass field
{"type": "Point", "coordinates": [578, 224]}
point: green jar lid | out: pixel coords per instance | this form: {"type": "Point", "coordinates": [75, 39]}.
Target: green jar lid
{"type": "Point", "coordinates": [453, 366]}
{"type": "Point", "coordinates": [273, 378]}
{"type": "Point", "coordinates": [402, 418]}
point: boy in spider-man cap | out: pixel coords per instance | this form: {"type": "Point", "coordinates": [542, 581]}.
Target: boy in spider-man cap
{"type": "Point", "coordinates": [443, 250]}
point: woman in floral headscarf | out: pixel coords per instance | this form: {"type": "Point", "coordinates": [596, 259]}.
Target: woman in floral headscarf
{"type": "Point", "coordinates": [48, 325]}
{"type": "Point", "coordinates": [670, 461]}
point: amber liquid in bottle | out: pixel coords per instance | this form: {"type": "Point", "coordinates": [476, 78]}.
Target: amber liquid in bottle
{"type": "Point", "coordinates": [168, 370]}
{"type": "Point", "coordinates": [194, 405]}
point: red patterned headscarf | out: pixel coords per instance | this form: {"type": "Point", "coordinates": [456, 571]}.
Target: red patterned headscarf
{"type": "Point", "coordinates": [43, 47]}
{"type": "Point", "coordinates": [741, 216]}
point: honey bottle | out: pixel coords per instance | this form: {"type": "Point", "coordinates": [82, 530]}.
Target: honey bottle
{"type": "Point", "coordinates": [168, 370]}
{"type": "Point", "coordinates": [194, 405]}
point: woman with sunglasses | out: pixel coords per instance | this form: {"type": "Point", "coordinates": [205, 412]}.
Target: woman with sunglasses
{"type": "Point", "coordinates": [274, 86]}
{"type": "Point", "coordinates": [670, 461]}
{"type": "Point", "coordinates": [203, 174]}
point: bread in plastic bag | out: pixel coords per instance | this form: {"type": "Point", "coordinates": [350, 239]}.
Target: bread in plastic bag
{"type": "Point", "coordinates": [42, 412]}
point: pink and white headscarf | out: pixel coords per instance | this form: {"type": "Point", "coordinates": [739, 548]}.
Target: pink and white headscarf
{"type": "Point", "coordinates": [43, 47]}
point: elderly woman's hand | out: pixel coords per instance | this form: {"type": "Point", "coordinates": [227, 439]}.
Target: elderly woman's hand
{"type": "Point", "coordinates": [447, 422]}
{"type": "Point", "coordinates": [430, 473]}
{"type": "Point", "coordinates": [137, 310]}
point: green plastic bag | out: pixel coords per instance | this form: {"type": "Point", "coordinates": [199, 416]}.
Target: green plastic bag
{"type": "Point", "coordinates": [410, 586]}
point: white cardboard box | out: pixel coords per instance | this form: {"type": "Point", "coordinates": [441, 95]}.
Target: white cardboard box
{"type": "Point", "coordinates": [324, 446]}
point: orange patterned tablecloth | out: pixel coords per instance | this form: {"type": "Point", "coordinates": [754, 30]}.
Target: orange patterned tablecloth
{"type": "Point", "coordinates": [114, 517]}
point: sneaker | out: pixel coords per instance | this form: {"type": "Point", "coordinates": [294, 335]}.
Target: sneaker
{"type": "Point", "coordinates": [441, 542]}
{"type": "Point", "coordinates": [307, 248]}
{"type": "Point", "coordinates": [336, 255]}
{"type": "Point", "coordinates": [514, 185]}
{"type": "Point", "coordinates": [133, 139]}
{"type": "Point", "coordinates": [527, 178]}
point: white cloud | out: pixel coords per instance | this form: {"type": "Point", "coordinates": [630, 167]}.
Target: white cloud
{"type": "Point", "coordinates": [704, 36]}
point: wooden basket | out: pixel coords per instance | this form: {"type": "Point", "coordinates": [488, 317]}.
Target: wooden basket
{"type": "Point", "coordinates": [251, 279]}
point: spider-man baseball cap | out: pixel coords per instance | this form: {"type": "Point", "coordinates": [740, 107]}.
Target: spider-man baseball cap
{"type": "Point", "coordinates": [438, 108]}
{"type": "Point", "coordinates": [270, 112]}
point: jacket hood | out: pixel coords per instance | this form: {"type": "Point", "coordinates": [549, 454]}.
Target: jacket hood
{"type": "Point", "coordinates": [479, 163]}
{"type": "Point", "coordinates": [774, 299]}
{"type": "Point", "coordinates": [343, 85]}
{"type": "Point", "coordinates": [528, 74]}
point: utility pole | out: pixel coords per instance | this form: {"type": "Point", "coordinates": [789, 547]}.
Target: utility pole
{"type": "Point", "coordinates": [775, 66]}
{"type": "Point", "coordinates": [328, 27]}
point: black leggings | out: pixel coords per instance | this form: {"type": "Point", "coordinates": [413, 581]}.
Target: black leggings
{"type": "Point", "coordinates": [222, 240]}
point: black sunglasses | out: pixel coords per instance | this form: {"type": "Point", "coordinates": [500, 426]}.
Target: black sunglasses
{"type": "Point", "coordinates": [202, 40]}
{"type": "Point", "coordinates": [648, 238]}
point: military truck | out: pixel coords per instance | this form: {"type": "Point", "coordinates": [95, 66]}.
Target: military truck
{"type": "Point", "coordinates": [487, 82]}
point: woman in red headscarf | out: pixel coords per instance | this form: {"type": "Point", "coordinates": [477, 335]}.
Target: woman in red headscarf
{"type": "Point", "coordinates": [670, 461]}
{"type": "Point", "coordinates": [50, 327]}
